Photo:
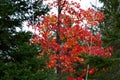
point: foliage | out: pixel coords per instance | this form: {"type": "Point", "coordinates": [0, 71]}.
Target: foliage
{"type": "Point", "coordinates": [12, 14]}
{"type": "Point", "coordinates": [111, 37]}
{"type": "Point", "coordinates": [24, 64]}
{"type": "Point", "coordinates": [17, 56]}
{"type": "Point", "coordinates": [65, 38]}
{"type": "Point", "coordinates": [111, 33]}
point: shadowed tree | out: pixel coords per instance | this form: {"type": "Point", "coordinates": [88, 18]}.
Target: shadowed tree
{"type": "Point", "coordinates": [17, 57]}
{"type": "Point", "coordinates": [111, 37]}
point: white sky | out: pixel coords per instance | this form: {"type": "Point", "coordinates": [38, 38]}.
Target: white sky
{"type": "Point", "coordinates": [87, 3]}
{"type": "Point", "coordinates": [84, 4]}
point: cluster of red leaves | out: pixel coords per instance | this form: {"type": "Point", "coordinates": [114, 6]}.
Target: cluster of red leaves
{"type": "Point", "coordinates": [91, 71]}
{"type": "Point", "coordinates": [74, 38]}
{"type": "Point", "coordinates": [72, 46]}
{"type": "Point", "coordinates": [79, 78]}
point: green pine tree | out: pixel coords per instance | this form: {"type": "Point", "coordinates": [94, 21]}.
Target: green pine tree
{"type": "Point", "coordinates": [17, 57]}
{"type": "Point", "coordinates": [110, 29]}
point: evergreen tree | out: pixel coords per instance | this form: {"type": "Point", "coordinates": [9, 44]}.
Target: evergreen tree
{"type": "Point", "coordinates": [12, 14]}
{"type": "Point", "coordinates": [110, 26]}
{"type": "Point", "coordinates": [110, 29]}
{"type": "Point", "coordinates": [17, 57]}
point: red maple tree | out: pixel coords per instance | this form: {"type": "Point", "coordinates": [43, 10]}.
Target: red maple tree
{"type": "Point", "coordinates": [65, 36]}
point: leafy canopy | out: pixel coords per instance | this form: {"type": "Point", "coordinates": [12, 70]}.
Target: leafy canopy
{"type": "Point", "coordinates": [66, 36]}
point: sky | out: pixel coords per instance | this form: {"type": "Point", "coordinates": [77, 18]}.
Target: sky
{"type": "Point", "coordinates": [85, 4]}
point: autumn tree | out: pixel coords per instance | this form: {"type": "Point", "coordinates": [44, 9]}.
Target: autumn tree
{"type": "Point", "coordinates": [68, 39]}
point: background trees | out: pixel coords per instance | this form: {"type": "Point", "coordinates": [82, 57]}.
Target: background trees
{"type": "Point", "coordinates": [17, 57]}
{"type": "Point", "coordinates": [110, 29]}
{"type": "Point", "coordinates": [13, 13]}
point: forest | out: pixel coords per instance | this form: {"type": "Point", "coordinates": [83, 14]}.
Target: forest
{"type": "Point", "coordinates": [66, 42]}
